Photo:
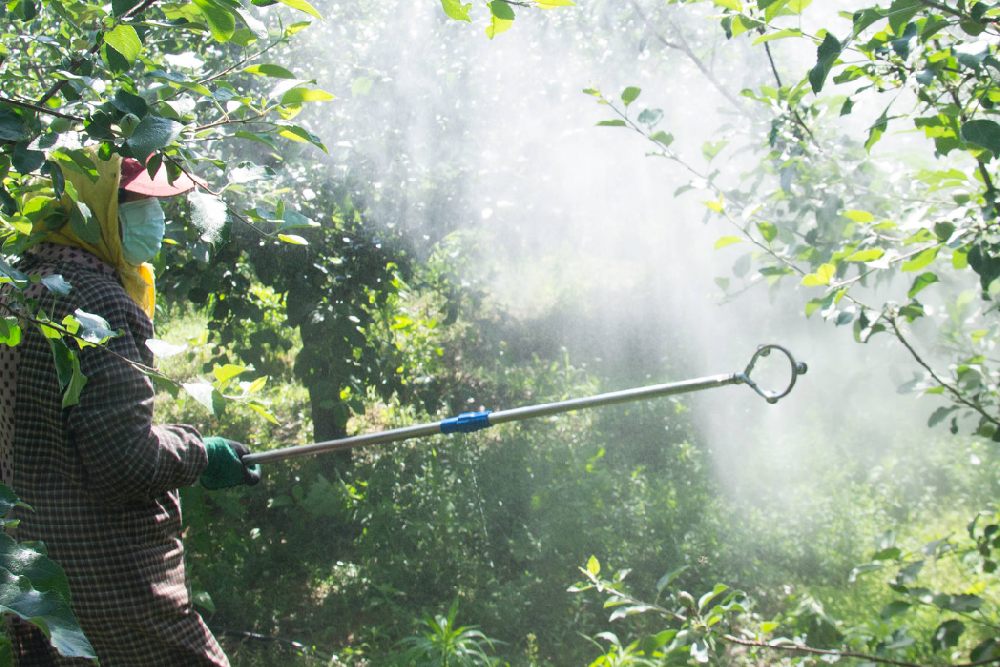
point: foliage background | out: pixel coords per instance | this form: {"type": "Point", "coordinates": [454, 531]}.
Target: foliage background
{"type": "Point", "coordinates": [481, 243]}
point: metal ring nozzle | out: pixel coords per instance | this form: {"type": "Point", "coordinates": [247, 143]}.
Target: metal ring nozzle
{"type": "Point", "coordinates": [772, 397]}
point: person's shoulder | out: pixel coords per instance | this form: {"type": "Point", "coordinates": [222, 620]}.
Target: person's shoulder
{"type": "Point", "coordinates": [99, 292]}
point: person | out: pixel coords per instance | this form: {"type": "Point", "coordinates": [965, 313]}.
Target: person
{"type": "Point", "coordinates": [100, 478]}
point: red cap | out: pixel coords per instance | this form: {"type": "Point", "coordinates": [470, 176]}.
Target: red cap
{"type": "Point", "coordinates": [136, 179]}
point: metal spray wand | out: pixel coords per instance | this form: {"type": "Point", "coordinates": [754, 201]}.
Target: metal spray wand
{"type": "Point", "coordinates": [474, 421]}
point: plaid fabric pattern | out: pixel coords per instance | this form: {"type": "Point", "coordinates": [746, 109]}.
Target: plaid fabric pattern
{"type": "Point", "coordinates": [103, 481]}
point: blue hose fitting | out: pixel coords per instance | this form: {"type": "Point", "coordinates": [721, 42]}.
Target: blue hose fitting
{"type": "Point", "coordinates": [467, 422]}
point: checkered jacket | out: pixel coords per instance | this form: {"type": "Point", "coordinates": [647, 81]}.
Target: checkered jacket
{"type": "Point", "coordinates": [102, 480]}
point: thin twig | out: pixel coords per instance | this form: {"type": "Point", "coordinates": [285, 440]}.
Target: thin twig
{"type": "Point", "coordinates": [683, 47]}
{"type": "Point", "coordinates": [845, 654]}
{"type": "Point", "coordinates": [192, 177]}
{"type": "Point", "coordinates": [943, 8]}
{"type": "Point", "coordinates": [774, 68]}
{"type": "Point", "coordinates": [41, 109]}
{"type": "Point", "coordinates": [795, 114]}
{"type": "Point", "coordinates": [953, 390]}
{"type": "Point", "coordinates": [20, 315]}
{"type": "Point", "coordinates": [76, 62]}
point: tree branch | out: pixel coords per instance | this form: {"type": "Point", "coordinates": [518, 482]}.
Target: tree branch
{"type": "Point", "coordinates": [844, 654]}
{"type": "Point", "coordinates": [686, 50]}
{"type": "Point", "coordinates": [959, 398]}
{"type": "Point", "coordinates": [941, 7]}
{"type": "Point", "coordinates": [75, 62]}
{"type": "Point", "coordinates": [41, 109]}
{"type": "Point", "coordinates": [770, 59]}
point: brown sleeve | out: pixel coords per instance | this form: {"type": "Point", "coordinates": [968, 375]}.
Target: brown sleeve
{"type": "Point", "coordinates": [126, 457]}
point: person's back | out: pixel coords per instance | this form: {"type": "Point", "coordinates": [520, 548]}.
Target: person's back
{"type": "Point", "coordinates": [101, 479]}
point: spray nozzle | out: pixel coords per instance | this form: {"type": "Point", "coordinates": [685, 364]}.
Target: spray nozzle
{"type": "Point", "coordinates": [763, 351]}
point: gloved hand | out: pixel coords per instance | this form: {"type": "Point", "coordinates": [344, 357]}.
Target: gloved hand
{"type": "Point", "coordinates": [225, 465]}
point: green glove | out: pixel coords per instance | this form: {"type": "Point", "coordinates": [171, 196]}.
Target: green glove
{"type": "Point", "coordinates": [225, 465]}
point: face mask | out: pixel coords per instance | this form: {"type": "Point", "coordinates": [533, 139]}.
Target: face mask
{"type": "Point", "coordinates": [143, 227]}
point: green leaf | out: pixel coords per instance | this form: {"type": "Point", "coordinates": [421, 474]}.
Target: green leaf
{"type": "Point", "coordinates": [985, 133]}
{"type": "Point", "coordinates": [262, 411]}
{"type": "Point", "coordinates": [650, 117]}
{"type": "Point", "coordinates": [253, 136]}
{"type": "Point", "coordinates": [71, 379]}
{"type": "Point", "coordinates": [901, 12]}
{"type": "Point", "coordinates": [207, 395]}
{"type": "Point", "coordinates": [122, 7]}
{"type": "Point", "coordinates": [869, 255]}
{"type": "Point", "coordinates": [12, 128]}
{"type": "Point", "coordinates": [717, 206]}
{"type": "Point", "coordinates": [712, 148]}
{"type": "Point", "coordinates": [220, 19]}
{"type": "Point", "coordinates": [768, 230]}
{"type": "Point", "coordinates": [93, 329]}
{"type": "Point", "coordinates": [822, 276]}
{"type": "Point", "coordinates": [501, 10]}
{"type": "Point", "coordinates": [204, 600]}
{"type": "Point", "coordinates": [296, 133]}
{"type": "Point", "coordinates": [497, 26]}
{"type": "Point", "coordinates": [894, 608]}
{"type": "Point", "coordinates": [988, 649]}
{"type": "Point", "coordinates": [922, 259]}
{"type": "Point", "coordinates": [727, 240]}
{"type": "Point", "coordinates": [56, 284]}
{"type": "Point", "coordinates": [877, 129]}
{"type": "Point", "coordinates": [922, 281]}
{"type": "Point", "coordinates": [859, 216]}
{"type": "Point", "coordinates": [663, 138]}
{"type": "Point", "coordinates": [361, 86]}
{"type": "Point", "coordinates": [9, 500]}
{"type": "Point", "coordinates": [48, 610]}
{"type": "Point", "coordinates": [611, 123]}
{"type": "Point", "coordinates": [84, 223]}
{"type": "Point", "coordinates": [669, 577]}
{"type": "Point", "coordinates": [26, 161]}
{"type": "Point", "coordinates": [890, 553]}
{"type": "Point", "coordinates": [265, 69]}
{"type": "Point", "coordinates": [593, 566]}
{"type": "Point", "coordinates": [734, 5]}
{"type": "Point", "coordinates": [454, 9]}
{"type": "Point", "coordinates": [293, 239]}
{"type": "Point", "coordinates": [630, 95]}
{"type": "Point", "coordinates": [162, 349]}
{"type": "Point", "coordinates": [24, 561]}
{"type": "Point", "coordinates": [826, 55]}
{"type": "Point", "coordinates": [962, 602]}
{"type": "Point", "coordinates": [302, 6]}
{"type": "Point", "coordinates": [781, 34]}
{"type": "Point", "coordinates": [712, 594]}
{"type": "Point", "coordinates": [294, 219]}
{"type": "Point", "coordinates": [125, 41]}
{"type": "Point", "coordinates": [151, 134]}
{"type": "Point", "coordinates": [940, 414]}
{"type": "Point", "coordinates": [299, 95]}
{"type": "Point", "coordinates": [947, 635]}
{"type": "Point", "coordinates": [228, 372]}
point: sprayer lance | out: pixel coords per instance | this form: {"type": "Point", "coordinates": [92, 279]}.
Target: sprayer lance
{"type": "Point", "coordinates": [474, 421]}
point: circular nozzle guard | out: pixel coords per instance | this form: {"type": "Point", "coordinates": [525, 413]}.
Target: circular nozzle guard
{"type": "Point", "coordinates": [798, 368]}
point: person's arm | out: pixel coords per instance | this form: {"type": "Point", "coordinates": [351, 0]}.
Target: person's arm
{"type": "Point", "coordinates": [126, 457]}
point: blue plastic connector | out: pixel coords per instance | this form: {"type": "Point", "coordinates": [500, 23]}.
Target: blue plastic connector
{"type": "Point", "coordinates": [467, 422]}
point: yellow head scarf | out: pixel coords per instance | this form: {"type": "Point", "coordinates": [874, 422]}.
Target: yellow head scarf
{"type": "Point", "coordinates": [102, 199]}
